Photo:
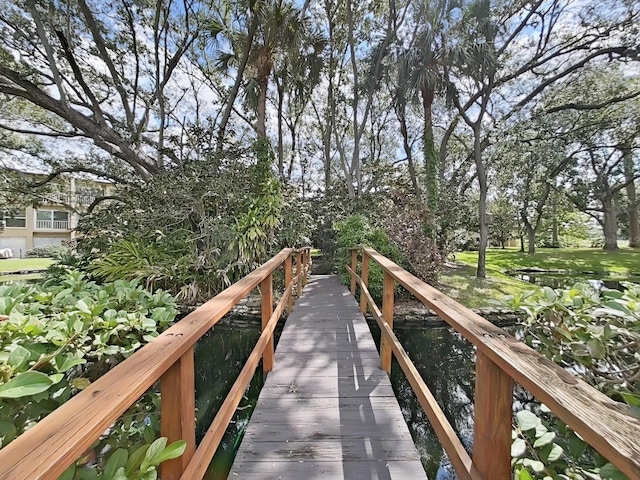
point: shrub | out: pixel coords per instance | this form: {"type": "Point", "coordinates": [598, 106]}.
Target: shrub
{"type": "Point", "coordinates": [49, 251]}
{"type": "Point", "coordinates": [357, 230]}
{"type": "Point", "coordinates": [58, 337]}
{"type": "Point", "coordinates": [591, 333]}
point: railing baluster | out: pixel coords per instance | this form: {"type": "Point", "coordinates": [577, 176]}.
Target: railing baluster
{"type": "Point", "coordinates": [493, 418]}
{"type": "Point", "coordinates": [266, 288]}
{"type": "Point", "coordinates": [177, 412]}
{"type": "Point", "coordinates": [365, 281]}
{"type": "Point", "coordinates": [299, 269]}
{"type": "Point", "coordinates": [288, 275]}
{"type": "Point", "coordinates": [387, 315]}
{"type": "Point", "coordinates": [354, 267]}
{"type": "Point", "coordinates": [306, 255]}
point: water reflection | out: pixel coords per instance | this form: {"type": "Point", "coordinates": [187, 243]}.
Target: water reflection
{"type": "Point", "coordinates": [556, 280]}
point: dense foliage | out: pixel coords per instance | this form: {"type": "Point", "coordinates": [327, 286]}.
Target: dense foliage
{"type": "Point", "coordinates": [357, 230]}
{"type": "Point", "coordinates": [595, 335]}
{"type": "Point", "coordinates": [195, 229]}
{"type": "Point", "coordinates": [58, 337]}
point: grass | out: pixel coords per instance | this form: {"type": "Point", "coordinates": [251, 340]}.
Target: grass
{"type": "Point", "coordinates": [461, 284]}
{"type": "Point", "coordinates": [16, 264]}
{"type": "Point", "coordinates": [625, 261]}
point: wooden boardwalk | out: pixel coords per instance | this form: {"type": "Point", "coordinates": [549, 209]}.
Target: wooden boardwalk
{"type": "Point", "coordinates": [327, 410]}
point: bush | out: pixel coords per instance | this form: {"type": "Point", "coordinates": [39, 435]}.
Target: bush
{"type": "Point", "coordinates": [49, 251]}
{"type": "Point", "coordinates": [357, 230]}
{"type": "Point", "coordinates": [58, 337]}
{"type": "Point", "coordinates": [592, 334]}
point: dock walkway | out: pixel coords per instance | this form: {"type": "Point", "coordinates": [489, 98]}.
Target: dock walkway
{"type": "Point", "coordinates": [327, 410]}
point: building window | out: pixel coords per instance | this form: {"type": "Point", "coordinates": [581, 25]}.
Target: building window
{"type": "Point", "coordinates": [15, 219]}
{"type": "Point", "coordinates": [52, 220]}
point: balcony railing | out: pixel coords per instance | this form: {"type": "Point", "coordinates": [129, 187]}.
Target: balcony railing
{"type": "Point", "coordinates": [60, 198]}
{"type": "Point", "coordinates": [52, 224]}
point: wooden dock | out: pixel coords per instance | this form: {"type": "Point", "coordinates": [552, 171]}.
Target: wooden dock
{"type": "Point", "coordinates": [327, 410]}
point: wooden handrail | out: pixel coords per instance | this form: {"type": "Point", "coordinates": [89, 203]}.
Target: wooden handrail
{"type": "Point", "coordinates": [46, 450]}
{"type": "Point", "coordinates": [606, 425]}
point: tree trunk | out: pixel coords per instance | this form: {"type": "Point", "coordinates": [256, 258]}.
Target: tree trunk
{"type": "Point", "coordinates": [521, 242]}
{"type": "Point", "coordinates": [430, 159]}
{"type": "Point", "coordinates": [632, 209]}
{"type": "Point", "coordinates": [610, 225]}
{"type": "Point", "coordinates": [401, 114]}
{"type": "Point", "coordinates": [531, 237]}
{"type": "Point", "coordinates": [555, 242]}
{"type": "Point", "coordinates": [280, 88]}
{"type": "Point", "coordinates": [481, 272]}
{"type": "Point", "coordinates": [261, 126]}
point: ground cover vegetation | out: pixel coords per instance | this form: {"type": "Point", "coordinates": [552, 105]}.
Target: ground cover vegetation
{"type": "Point", "coordinates": [59, 336]}
{"type": "Point", "coordinates": [231, 129]}
{"type": "Point", "coordinates": [623, 262]}
{"type": "Point", "coordinates": [593, 334]}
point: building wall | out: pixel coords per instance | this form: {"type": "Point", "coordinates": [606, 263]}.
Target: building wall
{"type": "Point", "coordinates": [76, 193]}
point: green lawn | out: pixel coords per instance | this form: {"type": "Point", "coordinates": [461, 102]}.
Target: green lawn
{"type": "Point", "coordinates": [461, 284]}
{"type": "Point", "coordinates": [14, 264]}
{"type": "Point", "coordinates": [625, 261]}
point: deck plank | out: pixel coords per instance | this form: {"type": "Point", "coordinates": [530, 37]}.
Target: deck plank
{"type": "Point", "coordinates": [327, 410]}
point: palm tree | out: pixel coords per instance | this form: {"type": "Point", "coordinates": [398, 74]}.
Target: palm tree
{"type": "Point", "coordinates": [420, 70]}
{"type": "Point", "coordinates": [280, 32]}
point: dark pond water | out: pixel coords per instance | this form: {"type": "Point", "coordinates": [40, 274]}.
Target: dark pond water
{"type": "Point", "coordinates": [445, 361]}
{"type": "Point", "coordinates": [219, 358]}
{"type": "Point", "coordinates": [557, 280]}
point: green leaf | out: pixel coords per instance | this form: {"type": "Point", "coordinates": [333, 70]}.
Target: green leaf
{"type": "Point", "coordinates": [82, 306]}
{"type": "Point", "coordinates": [518, 447]}
{"type": "Point", "coordinates": [64, 362]}
{"type": "Point", "coordinates": [596, 348]}
{"type": "Point", "coordinates": [526, 420]}
{"type": "Point", "coordinates": [576, 446]}
{"type": "Point", "coordinates": [117, 461]}
{"type": "Point", "coordinates": [524, 475]}
{"type": "Point", "coordinates": [536, 465]}
{"type": "Point", "coordinates": [544, 440]}
{"type": "Point", "coordinates": [155, 449]}
{"type": "Point", "coordinates": [8, 433]}
{"type": "Point", "coordinates": [133, 464]}
{"type": "Point", "coordinates": [19, 357]}
{"type": "Point", "coordinates": [69, 473]}
{"type": "Point", "coordinates": [610, 472]}
{"type": "Point", "coordinates": [27, 383]}
{"type": "Point", "coordinates": [555, 453]}
{"type": "Point", "coordinates": [88, 473]}
{"type": "Point", "coordinates": [172, 451]}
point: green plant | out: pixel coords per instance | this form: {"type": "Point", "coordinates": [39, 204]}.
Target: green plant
{"type": "Point", "coordinates": [49, 251]}
{"type": "Point", "coordinates": [597, 334]}
{"type": "Point", "coordinates": [58, 337]}
{"type": "Point", "coordinates": [357, 230]}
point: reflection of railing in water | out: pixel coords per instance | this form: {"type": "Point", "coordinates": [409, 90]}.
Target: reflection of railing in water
{"type": "Point", "coordinates": [47, 449]}
{"type": "Point", "coordinates": [501, 361]}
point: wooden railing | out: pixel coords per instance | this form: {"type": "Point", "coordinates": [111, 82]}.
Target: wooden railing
{"type": "Point", "coordinates": [501, 360]}
{"type": "Point", "coordinates": [46, 450]}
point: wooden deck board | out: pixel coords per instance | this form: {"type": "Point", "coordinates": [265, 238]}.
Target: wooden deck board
{"type": "Point", "coordinates": [327, 410]}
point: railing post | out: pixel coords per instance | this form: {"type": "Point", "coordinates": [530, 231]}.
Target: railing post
{"type": "Point", "coordinates": [299, 268]}
{"type": "Point", "coordinates": [266, 289]}
{"type": "Point", "coordinates": [306, 255]}
{"type": "Point", "coordinates": [354, 267]}
{"type": "Point", "coordinates": [287, 280]}
{"type": "Point", "coordinates": [493, 418]}
{"type": "Point", "coordinates": [177, 412]}
{"type": "Point", "coordinates": [387, 315]}
{"type": "Point", "coordinates": [365, 281]}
